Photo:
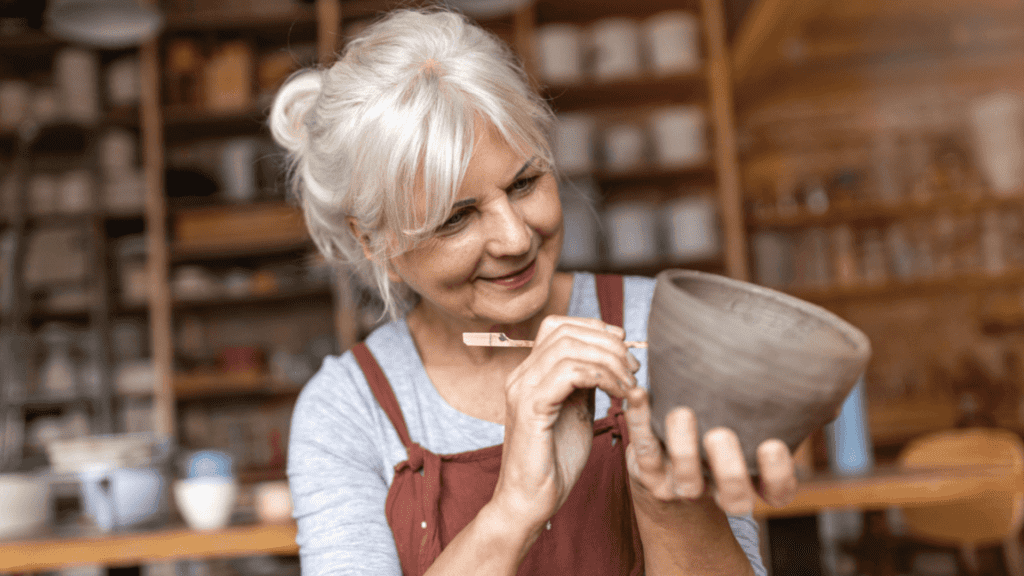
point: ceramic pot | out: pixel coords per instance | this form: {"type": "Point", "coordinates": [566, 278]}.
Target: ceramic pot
{"type": "Point", "coordinates": [762, 363]}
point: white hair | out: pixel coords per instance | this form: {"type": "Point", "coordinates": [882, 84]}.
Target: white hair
{"type": "Point", "coordinates": [394, 114]}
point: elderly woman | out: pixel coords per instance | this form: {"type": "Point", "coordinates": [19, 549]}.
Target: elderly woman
{"type": "Point", "coordinates": [421, 160]}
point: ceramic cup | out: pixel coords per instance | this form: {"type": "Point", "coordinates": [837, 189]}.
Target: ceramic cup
{"type": "Point", "coordinates": [26, 505]}
{"type": "Point", "coordinates": [122, 497]}
{"type": "Point", "coordinates": [673, 42]}
{"type": "Point", "coordinates": [206, 502]}
{"type": "Point", "coordinates": [615, 45]}
{"type": "Point", "coordinates": [560, 53]}
{"type": "Point", "coordinates": [763, 363]}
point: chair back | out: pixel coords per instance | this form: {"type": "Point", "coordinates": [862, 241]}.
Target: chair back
{"type": "Point", "coordinates": [986, 518]}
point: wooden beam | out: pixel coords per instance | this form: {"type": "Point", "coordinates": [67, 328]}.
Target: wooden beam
{"type": "Point", "coordinates": [765, 25]}
{"type": "Point", "coordinates": [160, 321]}
{"type": "Point", "coordinates": [730, 194]}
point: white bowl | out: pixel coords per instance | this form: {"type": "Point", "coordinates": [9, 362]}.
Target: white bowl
{"type": "Point", "coordinates": [206, 503]}
{"type": "Point", "coordinates": [24, 505]}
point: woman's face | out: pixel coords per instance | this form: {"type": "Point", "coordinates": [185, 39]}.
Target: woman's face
{"type": "Point", "coordinates": [494, 258]}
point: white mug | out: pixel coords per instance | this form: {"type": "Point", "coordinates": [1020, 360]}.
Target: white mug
{"type": "Point", "coordinates": [573, 143]}
{"type": "Point", "coordinates": [625, 146]}
{"type": "Point", "coordinates": [560, 53]}
{"type": "Point", "coordinates": [673, 42]}
{"type": "Point", "coordinates": [632, 233]}
{"type": "Point", "coordinates": [680, 136]}
{"type": "Point", "coordinates": [997, 123]}
{"type": "Point", "coordinates": [615, 45]}
{"type": "Point", "coordinates": [691, 224]}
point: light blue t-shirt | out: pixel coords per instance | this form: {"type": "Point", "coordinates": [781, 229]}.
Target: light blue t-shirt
{"type": "Point", "coordinates": [343, 448]}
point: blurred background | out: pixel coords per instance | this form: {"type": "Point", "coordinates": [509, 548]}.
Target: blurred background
{"type": "Point", "coordinates": [161, 305]}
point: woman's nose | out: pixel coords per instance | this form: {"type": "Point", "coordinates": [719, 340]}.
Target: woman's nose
{"type": "Point", "coordinates": [510, 235]}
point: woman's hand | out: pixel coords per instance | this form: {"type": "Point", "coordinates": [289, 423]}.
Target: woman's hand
{"type": "Point", "coordinates": [672, 472]}
{"type": "Point", "coordinates": [550, 413]}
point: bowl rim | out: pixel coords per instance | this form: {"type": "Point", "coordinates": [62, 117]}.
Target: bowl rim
{"type": "Point", "coordinates": [860, 344]}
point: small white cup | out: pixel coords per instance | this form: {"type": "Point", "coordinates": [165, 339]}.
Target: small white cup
{"type": "Point", "coordinates": [206, 503]}
{"type": "Point", "coordinates": [573, 143]}
{"type": "Point", "coordinates": [615, 43]}
{"type": "Point", "coordinates": [560, 53]}
{"type": "Point", "coordinates": [691, 225]}
{"type": "Point", "coordinates": [632, 233]}
{"type": "Point", "coordinates": [673, 42]}
{"type": "Point", "coordinates": [680, 136]}
{"type": "Point", "coordinates": [625, 147]}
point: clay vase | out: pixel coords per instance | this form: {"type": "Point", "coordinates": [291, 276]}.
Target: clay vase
{"type": "Point", "coordinates": [758, 361]}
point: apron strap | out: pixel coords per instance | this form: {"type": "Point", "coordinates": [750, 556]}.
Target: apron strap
{"type": "Point", "coordinates": [382, 392]}
{"type": "Point", "coordinates": [610, 299]}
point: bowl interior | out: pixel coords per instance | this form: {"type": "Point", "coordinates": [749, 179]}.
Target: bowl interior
{"type": "Point", "coordinates": [770, 315]}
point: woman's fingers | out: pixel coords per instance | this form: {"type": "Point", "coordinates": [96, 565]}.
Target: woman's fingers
{"type": "Point", "coordinates": [683, 444]}
{"type": "Point", "coordinates": [645, 445]}
{"type": "Point", "coordinates": [778, 472]}
{"type": "Point", "coordinates": [734, 490]}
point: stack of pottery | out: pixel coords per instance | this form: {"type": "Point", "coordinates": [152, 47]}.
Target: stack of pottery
{"type": "Point", "coordinates": [762, 363]}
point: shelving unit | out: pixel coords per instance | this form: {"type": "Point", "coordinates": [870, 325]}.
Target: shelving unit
{"type": "Point", "coordinates": [630, 99]}
{"type": "Point", "coordinates": [55, 191]}
{"type": "Point", "coordinates": [217, 235]}
{"type": "Point", "coordinates": [862, 100]}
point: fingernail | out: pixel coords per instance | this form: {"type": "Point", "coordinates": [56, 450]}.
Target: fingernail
{"type": "Point", "coordinates": [688, 490]}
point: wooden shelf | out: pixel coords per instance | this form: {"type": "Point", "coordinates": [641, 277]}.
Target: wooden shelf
{"type": "Point", "coordinates": [886, 488]}
{"type": "Point", "coordinates": [133, 548]}
{"type": "Point", "coordinates": [316, 293]}
{"type": "Point", "coordinates": [210, 384]}
{"type": "Point", "coordinates": [894, 289]}
{"type": "Point", "coordinates": [881, 213]}
{"type": "Point", "coordinates": [590, 10]}
{"type": "Point", "coordinates": [187, 123]}
{"type": "Point", "coordinates": [641, 91]}
{"type": "Point", "coordinates": [220, 20]}
{"type": "Point", "coordinates": [233, 231]}
{"type": "Point", "coordinates": [29, 40]}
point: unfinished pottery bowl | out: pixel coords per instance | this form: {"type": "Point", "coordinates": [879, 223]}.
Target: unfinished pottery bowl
{"type": "Point", "coordinates": [758, 361]}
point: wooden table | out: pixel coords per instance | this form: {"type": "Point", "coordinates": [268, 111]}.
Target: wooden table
{"type": "Point", "coordinates": [133, 548]}
{"type": "Point", "coordinates": [880, 489]}
{"type": "Point", "coordinates": [889, 487]}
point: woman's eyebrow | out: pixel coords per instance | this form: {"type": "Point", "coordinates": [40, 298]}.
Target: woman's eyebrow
{"type": "Point", "coordinates": [471, 201]}
{"type": "Point", "coordinates": [525, 167]}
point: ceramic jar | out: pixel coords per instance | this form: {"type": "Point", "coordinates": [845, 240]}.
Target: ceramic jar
{"type": "Point", "coordinates": [763, 363]}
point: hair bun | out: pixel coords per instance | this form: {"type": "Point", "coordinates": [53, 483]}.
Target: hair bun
{"type": "Point", "coordinates": [291, 106]}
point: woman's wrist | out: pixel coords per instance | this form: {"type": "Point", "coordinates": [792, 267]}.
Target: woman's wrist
{"type": "Point", "coordinates": [507, 525]}
{"type": "Point", "coordinates": [686, 536]}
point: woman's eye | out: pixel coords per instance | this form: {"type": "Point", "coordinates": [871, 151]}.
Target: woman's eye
{"type": "Point", "coordinates": [524, 184]}
{"type": "Point", "coordinates": [454, 220]}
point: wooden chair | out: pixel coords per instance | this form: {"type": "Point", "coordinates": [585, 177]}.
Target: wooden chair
{"type": "Point", "coordinates": [989, 519]}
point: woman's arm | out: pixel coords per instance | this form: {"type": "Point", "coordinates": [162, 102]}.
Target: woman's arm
{"type": "Point", "coordinates": [548, 436]}
{"type": "Point", "coordinates": [337, 478]}
{"type": "Point", "coordinates": [682, 524]}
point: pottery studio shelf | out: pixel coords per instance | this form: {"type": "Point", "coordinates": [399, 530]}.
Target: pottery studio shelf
{"type": "Point", "coordinates": [134, 548]}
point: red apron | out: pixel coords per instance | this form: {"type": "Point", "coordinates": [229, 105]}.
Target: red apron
{"type": "Point", "coordinates": [433, 497]}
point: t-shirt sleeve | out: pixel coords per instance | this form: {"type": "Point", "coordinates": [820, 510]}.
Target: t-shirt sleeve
{"type": "Point", "coordinates": [744, 528]}
{"type": "Point", "coordinates": [336, 478]}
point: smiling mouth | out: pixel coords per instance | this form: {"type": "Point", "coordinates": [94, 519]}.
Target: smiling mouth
{"type": "Point", "coordinates": [516, 279]}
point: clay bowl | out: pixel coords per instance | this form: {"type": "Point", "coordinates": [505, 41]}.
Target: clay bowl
{"type": "Point", "coordinates": [763, 363]}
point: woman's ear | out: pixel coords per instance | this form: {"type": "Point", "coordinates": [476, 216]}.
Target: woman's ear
{"type": "Point", "coordinates": [364, 238]}
{"type": "Point", "coordinates": [364, 241]}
